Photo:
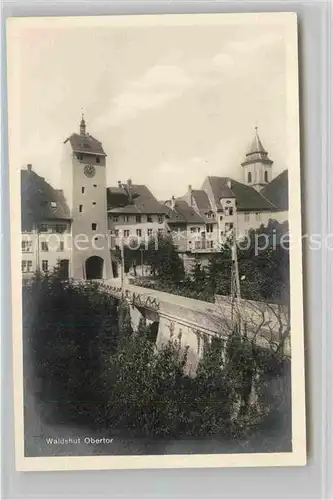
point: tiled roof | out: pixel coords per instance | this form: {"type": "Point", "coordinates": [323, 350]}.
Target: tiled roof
{"type": "Point", "coordinates": [85, 144]}
{"type": "Point", "coordinates": [183, 213]}
{"type": "Point", "coordinates": [257, 152]}
{"type": "Point", "coordinates": [277, 191]}
{"type": "Point", "coordinates": [247, 198]}
{"type": "Point", "coordinates": [201, 199]}
{"type": "Point", "coordinates": [141, 201]}
{"type": "Point", "coordinates": [40, 201]}
{"type": "Point", "coordinates": [220, 189]}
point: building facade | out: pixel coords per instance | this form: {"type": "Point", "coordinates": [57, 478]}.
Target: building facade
{"type": "Point", "coordinates": [79, 227]}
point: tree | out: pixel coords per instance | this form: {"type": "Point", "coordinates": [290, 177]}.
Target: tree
{"type": "Point", "coordinates": [263, 262]}
{"type": "Point", "coordinates": [164, 260]}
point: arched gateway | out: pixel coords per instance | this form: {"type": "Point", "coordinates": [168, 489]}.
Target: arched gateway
{"type": "Point", "coordinates": [94, 267]}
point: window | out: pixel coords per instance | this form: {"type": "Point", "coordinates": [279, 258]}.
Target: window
{"type": "Point", "coordinates": [249, 177]}
{"type": "Point", "coordinates": [80, 208]}
{"type": "Point", "coordinates": [59, 228]}
{"type": "Point", "coordinates": [98, 160]}
{"type": "Point", "coordinates": [258, 216]}
{"type": "Point", "coordinates": [53, 204]}
{"type": "Point", "coordinates": [195, 229]}
{"type": "Point", "coordinates": [43, 228]}
{"type": "Point", "coordinates": [95, 185]}
{"type": "Point", "coordinates": [210, 244]}
{"type": "Point", "coordinates": [160, 219]}
{"type": "Point", "coordinates": [80, 156]}
{"type": "Point", "coordinates": [209, 228]}
{"type": "Point", "coordinates": [44, 246]}
{"type": "Point", "coordinates": [138, 232]}
{"type": "Point", "coordinates": [26, 246]}
{"type": "Point", "coordinates": [82, 189]}
{"type": "Point", "coordinates": [229, 226]}
{"type": "Point", "coordinates": [26, 266]}
{"type": "Point", "coordinates": [150, 232]}
{"type": "Point", "coordinates": [94, 202]}
{"type": "Point", "coordinates": [197, 245]}
{"type": "Point", "coordinates": [126, 233]}
{"type": "Point", "coordinates": [45, 265]}
{"type": "Point", "coordinates": [94, 226]}
{"type": "Point", "coordinates": [61, 246]}
{"type": "Point", "coordinates": [138, 218]}
{"type": "Point", "coordinates": [115, 218]}
{"type": "Point", "coordinates": [149, 218]}
{"type": "Point", "coordinates": [266, 176]}
{"type": "Point", "coordinates": [126, 218]}
{"type": "Point", "coordinates": [116, 232]}
{"type": "Point", "coordinates": [229, 210]}
{"type": "Point", "coordinates": [221, 217]}
{"type": "Point", "coordinates": [246, 216]}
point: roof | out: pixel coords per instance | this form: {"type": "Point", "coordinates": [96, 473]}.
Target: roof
{"type": "Point", "coordinates": [36, 198]}
{"type": "Point", "coordinates": [277, 191]}
{"type": "Point", "coordinates": [183, 213]}
{"type": "Point", "coordinates": [256, 145]}
{"type": "Point", "coordinates": [247, 198]}
{"type": "Point", "coordinates": [140, 201]}
{"type": "Point", "coordinates": [256, 151]}
{"type": "Point", "coordinates": [85, 144]}
{"type": "Point", "coordinates": [201, 199]}
{"type": "Point", "coordinates": [220, 189]}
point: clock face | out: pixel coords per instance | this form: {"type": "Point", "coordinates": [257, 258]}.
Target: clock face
{"type": "Point", "coordinates": [89, 170]}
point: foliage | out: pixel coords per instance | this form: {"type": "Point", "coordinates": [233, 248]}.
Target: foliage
{"type": "Point", "coordinates": [85, 354]}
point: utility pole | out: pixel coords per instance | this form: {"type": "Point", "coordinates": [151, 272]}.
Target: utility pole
{"type": "Point", "coordinates": [122, 257]}
{"type": "Point", "coordinates": [235, 283]}
{"type": "Point", "coordinates": [141, 251]}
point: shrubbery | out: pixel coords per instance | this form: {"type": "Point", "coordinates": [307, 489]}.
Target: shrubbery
{"type": "Point", "coordinates": [95, 370]}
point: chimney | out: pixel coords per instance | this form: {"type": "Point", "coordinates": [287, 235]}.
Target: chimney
{"type": "Point", "coordinates": [29, 167]}
{"type": "Point", "coordinates": [189, 195]}
{"type": "Point", "coordinates": [129, 190]}
{"type": "Point", "coordinates": [229, 183]}
{"type": "Point", "coordinates": [173, 202]}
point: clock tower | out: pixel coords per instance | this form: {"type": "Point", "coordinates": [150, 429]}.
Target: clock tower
{"type": "Point", "coordinates": [84, 185]}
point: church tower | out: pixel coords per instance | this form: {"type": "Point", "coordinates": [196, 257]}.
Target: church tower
{"type": "Point", "coordinates": [257, 167]}
{"type": "Point", "coordinates": [84, 186]}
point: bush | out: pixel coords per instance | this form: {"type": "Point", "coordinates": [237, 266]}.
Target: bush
{"type": "Point", "coordinates": [87, 359]}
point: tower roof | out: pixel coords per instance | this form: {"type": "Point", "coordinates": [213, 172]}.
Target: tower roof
{"type": "Point", "coordinates": [256, 151]}
{"type": "Point", "coordinates": [256, 145]}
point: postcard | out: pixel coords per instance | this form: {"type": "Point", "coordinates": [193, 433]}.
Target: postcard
{"type": "Point", "coordinates": [156, 241]}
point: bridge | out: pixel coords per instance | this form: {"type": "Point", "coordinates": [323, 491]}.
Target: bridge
{"type": "Point", "coordinates": [193, 321]}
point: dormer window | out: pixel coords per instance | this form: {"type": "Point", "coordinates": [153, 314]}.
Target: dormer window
{"type": "Point", "coordinates": [53, 204]}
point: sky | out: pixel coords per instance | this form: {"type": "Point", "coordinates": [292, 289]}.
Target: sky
{"type": "Point", "coordinates": [171, 104]}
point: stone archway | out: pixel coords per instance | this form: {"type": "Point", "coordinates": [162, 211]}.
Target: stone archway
{"type": "Point", "coordinates": [94, 268]}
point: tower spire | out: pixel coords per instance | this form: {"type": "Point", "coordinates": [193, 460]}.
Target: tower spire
{"type": "Point", "coordinates": [82, 125]}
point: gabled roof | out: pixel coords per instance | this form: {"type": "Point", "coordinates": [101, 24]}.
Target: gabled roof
{"type": "Point", "coordinates": [40, 201]}
{"type": "Point", "coordinates": [247, 198]}
{"type": "Point", "coordinates": [201, 199]}
{"type": "Point", "coordinates": [277, 191]}
{"type": "Point", "coordinates": [250, 200]}
{"type": "Point", "coordinates": [85, 144]}
{"type": "Point", "coordinates": [220, 189]}
{"type": "Point", "coordinates": [183, 213]}
{"type": "Point", "coordinates": [139, 200]}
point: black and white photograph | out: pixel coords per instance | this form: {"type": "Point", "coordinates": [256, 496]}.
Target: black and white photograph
{"type": "Point", "coordinates": [156, 241]}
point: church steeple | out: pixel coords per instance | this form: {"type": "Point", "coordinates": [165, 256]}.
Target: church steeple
{"type": "Point", "coordinates": [82, 126]}
{"type": "Point", "coordinates": [257, 165]}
